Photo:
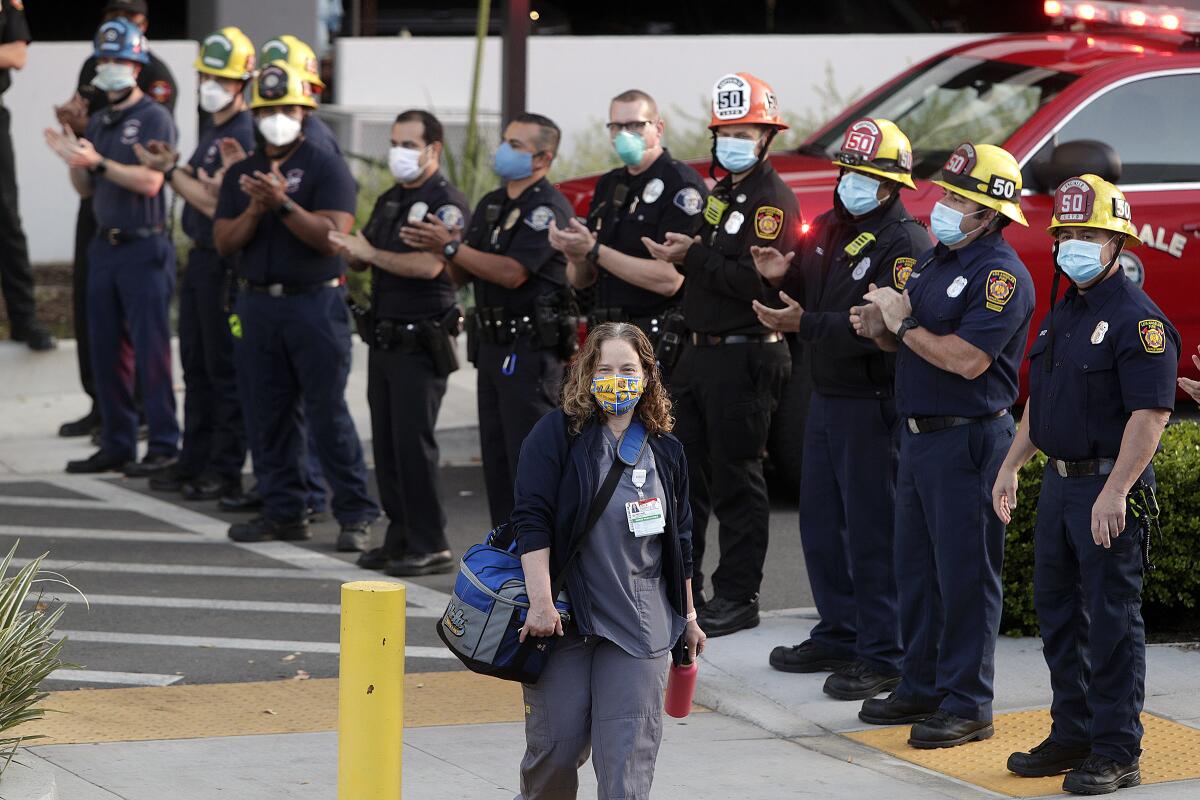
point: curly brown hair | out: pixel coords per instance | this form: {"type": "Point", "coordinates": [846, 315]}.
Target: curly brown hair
{"type": "Point", "coordinates": [654, 409]}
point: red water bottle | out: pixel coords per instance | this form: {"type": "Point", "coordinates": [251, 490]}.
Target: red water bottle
{"type": "Point", "coordinates": [681, 687]}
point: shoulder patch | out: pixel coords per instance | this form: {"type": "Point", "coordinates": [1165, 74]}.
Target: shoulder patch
{"type": "Point", "coordinates": [450, 215]}
{"type": "Point", "coordinates": [539, 218]}
{"type": "Point", "coordinates": [688, 200]}
{"type": "Point", "coordinates": [768, 222]}
{"type": "Point", "coordinates": [161, 92]}
{"type": "Point", "coordinates": [901, 270]}
{"type": "Point", "coordinates": [1153, 335]}
{"type": "Point", "coordinates": [1001, 286]}
{"type": "Point", "coordinates": [417, 211]}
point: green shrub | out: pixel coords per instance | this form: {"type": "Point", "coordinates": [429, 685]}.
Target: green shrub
{"type": "Point", "coordinates": [27, 653]}
{"type": "Point", "coordinates": [1172, 588]}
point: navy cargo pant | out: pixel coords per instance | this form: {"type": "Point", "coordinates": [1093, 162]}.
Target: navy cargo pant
{"type": "Point", "coordinates": [724, 398]}
{"type": "Point", "coordinates": [1089, 607]}
{"type": "Point", "coordinates": [129, 296]}
{"type": "Point", "coordinates": [847, 510]}
{"type": "Point", "coordinates": [214, 437]}
{"type": "Point", "coordinates": [297, 350]}
{"type": "Point", "coordinates": [405, 394]}
{"type": "Point", "coordinates": [949, 552]}
{"type": "Point", "coordinates": [509, 406]}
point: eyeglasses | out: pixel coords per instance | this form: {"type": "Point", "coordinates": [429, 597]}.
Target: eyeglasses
{"type": "Point", "coordinates": [633, 127]}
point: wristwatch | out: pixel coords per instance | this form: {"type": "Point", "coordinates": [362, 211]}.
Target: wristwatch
{"type": "Point", "coordinates": [450, 249]}
{"type": "Point", "coordinates": [170, 173]}
{"type": "Point", "coordinates": [100, 168]}
{"type": "Point", "coordinates": [593, 256]}
{"type": "Point", "coordinates": [286, 208]}
{"type": "Point", "coordinates": [906, 325]}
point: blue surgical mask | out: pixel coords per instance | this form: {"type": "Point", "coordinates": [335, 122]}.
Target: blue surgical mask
{"type": "Point", "coordinates": [1080, 260]}
{"type": "Point", "coordinates": [858, 193]}
{"type": "Point", "coordinates": [630, 148]}
{"type": "Point", "coordinates": [736, 155]}
{"type": "Point", "coordinates": [946, 223]}
{"type": "Point", "coordinates": [510, 164]}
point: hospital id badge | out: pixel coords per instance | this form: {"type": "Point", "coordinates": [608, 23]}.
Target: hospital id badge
{"type": "Point", "coordinates": [645, 517]}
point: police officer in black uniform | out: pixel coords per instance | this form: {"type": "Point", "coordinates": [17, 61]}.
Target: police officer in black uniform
{"type": "Point", "coordinates": [650, 195]}
{"type": "Point", "coordinates": [16, 275]}
{"type": "Point", "coordinates": [732, 372]}
{"type": "Point", "coordinates": [851, 444]}
{"type": "Point", "coordinates": [1102, 373]}
{"type": "Point", "coordinates": [524, 322]}
{"type": "Point", "coordinates": [410, 328]}
{"type": "Point", "coordinates": [156, 81]}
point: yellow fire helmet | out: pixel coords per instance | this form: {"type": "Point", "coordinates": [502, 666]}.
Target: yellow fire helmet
{"type": "Point", "coordinates": [295, 52]}
{"type": "Point", "coordinates": [1089, 201]}
{"type": "Point", "coordinates": [227, 53]}
{"type": "Point", "coordinates": [987, 174]}
{"type": "Point", "coordinates": [877, 147]}
{"type": "Point", "coordinates": [281, 84]}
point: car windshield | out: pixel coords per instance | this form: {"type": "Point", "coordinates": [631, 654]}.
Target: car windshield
{"type": "Point", "coordinates": [955, 100]}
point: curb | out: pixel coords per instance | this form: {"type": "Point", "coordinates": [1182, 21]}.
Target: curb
{"type": "Point", "coordinates": [28, 778]}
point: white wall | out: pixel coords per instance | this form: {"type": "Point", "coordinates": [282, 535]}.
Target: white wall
{"type": "Point", "coordinates": [572, 78]}
{"type": "Point", "coordinates": [48, 204]}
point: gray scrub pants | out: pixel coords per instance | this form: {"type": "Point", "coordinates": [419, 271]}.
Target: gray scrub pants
{"type": "Point", "coordinates": [593, 696]}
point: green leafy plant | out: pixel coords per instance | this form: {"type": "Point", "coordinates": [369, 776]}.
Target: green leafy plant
{"type": "Point", "coordinates": [27, 653]}
{"type": "Point", "coordinates": [1171, 590]}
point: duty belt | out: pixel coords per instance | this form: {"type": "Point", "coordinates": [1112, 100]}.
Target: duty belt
{"type": "Point", "coordinates": [931, 424]}
{"type": "Point", "coordinates": [287, 289]}
{"type": "Point", "coordinates": [712, 340]}
{"type": "Point", "coordinates": [1082, 469]}
{"type": "Point", "coordinates": [116, 236]}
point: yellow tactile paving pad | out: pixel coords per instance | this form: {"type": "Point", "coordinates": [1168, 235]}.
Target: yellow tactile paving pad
{"type": "Point", "coordinates": [240, 709]}
{"type": "Point", "coordinates": [243, 709]}
{"type": "Point", "coordinates": [1171, 753]}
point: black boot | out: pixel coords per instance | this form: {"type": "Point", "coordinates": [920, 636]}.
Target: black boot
{"type": "Point", "coordinates": [944, 729]}
{"type": "Point", "coordinates": [264, 529]}
{"type": "Point", "coordinates": [354, 537]}
{"type": "Point", "coordinates": [35, 337]}
{"type": "Point", "coordinates": [1048, 758]}
{"type": "Point", "coordinates": [170, 480]}
{"type": "Point", "coordinates": [722, 616]}
{"type": "Point", "coordinates": [895, 710]}
{"type": "Point", "coordinates": [808, 656]}
{"type": "Point", "coordinates": [1101, 775]}
{"type": "Point", "coordinates": [98, 461]}
{"type": "Point", "coordinates": [207, 487]}
{"type": "Point", "coordinates": [858, 682]}
{"type": "Point", "coordinates": [420, 564]}
{"type": "Point", "coordinates": [375, 558]}
{"type": "Point", "coordinates": [241, 501]}
{"type": "Point", "coordinates": [153, 464]}
{"type": "Point", "coordinates": [86, 425]}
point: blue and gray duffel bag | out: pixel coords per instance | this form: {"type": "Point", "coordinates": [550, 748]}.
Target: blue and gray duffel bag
{"type": "Point", "coordinates": [483, 619]}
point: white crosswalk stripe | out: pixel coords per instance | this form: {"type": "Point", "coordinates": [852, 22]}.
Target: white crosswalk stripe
{"type": "Point", "coordinates": [228, 643]}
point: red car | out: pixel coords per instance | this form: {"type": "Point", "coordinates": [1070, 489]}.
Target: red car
{"type": "Point", "coordinates": [1115, 77]}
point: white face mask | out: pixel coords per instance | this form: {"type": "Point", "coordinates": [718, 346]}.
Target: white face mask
{"type": "Point", "coordinates": [214, 97]}
{"type": "Point", "coordinates": [279, 129]}
{"type": "Point", "coordinates": [405, 164]}
{"type": "Point", "coordinates": [114, 77]}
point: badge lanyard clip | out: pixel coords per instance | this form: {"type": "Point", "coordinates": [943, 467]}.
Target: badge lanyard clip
{"type": "Point", "coordinates": [639, 480]}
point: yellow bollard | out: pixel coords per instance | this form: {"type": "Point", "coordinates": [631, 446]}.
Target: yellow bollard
{"type": "Point", "coordinates": [371, 691]}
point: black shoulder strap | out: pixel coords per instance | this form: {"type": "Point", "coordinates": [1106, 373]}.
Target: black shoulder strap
{"type": "Point", "coordinates": [629, 451]}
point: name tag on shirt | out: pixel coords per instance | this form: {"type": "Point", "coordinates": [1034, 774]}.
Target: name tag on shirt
{"type": "Point", "coordinates": [645, 517]}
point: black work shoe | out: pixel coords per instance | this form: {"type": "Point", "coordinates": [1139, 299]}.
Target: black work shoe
{"type": "Point", "coordinates": [375, 558]}
{"type": "Point", "coordinates": [1048, 758]}
{"type": "Point", "coordinates": [858, 682]}
{"type": "Point", "coordinates": [896, 710]}
{"type": "Point", "coordinates": [153, 464]}
{"type": "Point", "coordinates": [241, 501]}
{"type": "Point", "coordinates": [84, 426]}
{"type": "Point", "coordinates": [316, 517]}
{"type": "Point", "coordinates": [722, 616]}
{"type": "Point", "coordinates": [206, 487]}
{"type": "Point", "coordinates": [170, 480]}
{"type": "Point", "coordinates": [944, 729]}
{"type": "Point", "coordinates": [1101, 775]}
{"type": "Point", "coordinates": [421, 564]}
{"type": "Point", "coordinates": [808, 656]}
{"type": "Point", "coordinates": [264, 529]}
{"type": "Point", "coordinates": [35, 337]}
{"type": "Point", "coordinates": [354, 537]}
{"type": "Point", "coordinates": [98, 461]}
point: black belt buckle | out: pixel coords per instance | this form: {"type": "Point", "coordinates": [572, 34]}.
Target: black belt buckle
{"type": "Point", "coordinates": [1060, 467]}
{"type": "Point", "coordinates": [913, 425]}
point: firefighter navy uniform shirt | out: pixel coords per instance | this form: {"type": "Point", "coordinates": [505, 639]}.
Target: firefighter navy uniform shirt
{"type": "Point", "coordinates": [114, 133]}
